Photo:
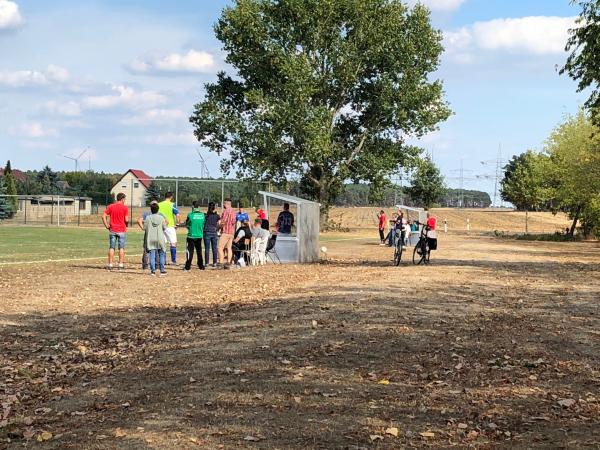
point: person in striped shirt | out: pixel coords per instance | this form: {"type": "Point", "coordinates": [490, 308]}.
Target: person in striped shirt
{"type": "Point", "coordinates": [227, 226]}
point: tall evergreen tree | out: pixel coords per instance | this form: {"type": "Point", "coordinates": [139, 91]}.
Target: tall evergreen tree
{"type": "Point", "coordinates": [11, 187]}
{"type": "Point", "coordinates": [5, 207]}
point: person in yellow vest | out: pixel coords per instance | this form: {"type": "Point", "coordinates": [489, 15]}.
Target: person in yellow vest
{"type": "Point", "coordinates": [170, 212]}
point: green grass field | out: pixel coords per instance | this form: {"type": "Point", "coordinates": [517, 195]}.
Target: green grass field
{"type": "Point", "coordinates": [24, 244]}
{"type": "Point", "coordinates": [42, 244]}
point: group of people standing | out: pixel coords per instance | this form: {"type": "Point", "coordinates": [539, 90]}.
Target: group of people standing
{"type": "Point", "coordinates": [227, 235]}
{"type": "Point", "coordinates": [399, 228]}
{"type": "Point", "coordinates": [403, 228]}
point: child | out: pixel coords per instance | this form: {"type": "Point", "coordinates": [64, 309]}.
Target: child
{"type": "Point", "coordinates": [141, 221]}
{"type": "Point", "coordinates": [154, 227]}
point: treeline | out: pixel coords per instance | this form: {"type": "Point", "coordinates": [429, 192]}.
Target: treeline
{"type": "Point", "coordinates": [563, 177]}
{"type": "Point", "coordinates": [96, 185]}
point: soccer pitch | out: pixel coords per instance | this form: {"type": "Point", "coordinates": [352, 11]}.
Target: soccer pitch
{"type": "Point", "coordinates": [46, 244]}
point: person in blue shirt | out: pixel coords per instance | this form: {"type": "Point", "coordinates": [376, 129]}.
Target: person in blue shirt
{"type": "Point", "coordinates": [242, 216]}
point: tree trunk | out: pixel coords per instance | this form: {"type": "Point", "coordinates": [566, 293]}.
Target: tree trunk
{"type": "Point", "coordinates": [526, 221]}
{"type": "Point", "coordinates": [575, 220]}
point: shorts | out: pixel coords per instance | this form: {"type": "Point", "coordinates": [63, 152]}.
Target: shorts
{"type": "Point", "coordinates": [113, 238]}
{"type": "Point", "coordinates": [225, 241]}
{"type": "Point", "coordinates": [171, 235]}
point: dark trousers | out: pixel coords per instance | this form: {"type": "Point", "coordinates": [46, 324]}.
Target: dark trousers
{"type": "Point", "coordinates": [191, 245]}
{"type": "Point", "coordinates": [382, 235]}
{"type": "Point", "coordinates": [210, 243]}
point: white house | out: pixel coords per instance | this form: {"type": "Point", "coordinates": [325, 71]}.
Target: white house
{"type": "Point", "coordinates": [134, 184]}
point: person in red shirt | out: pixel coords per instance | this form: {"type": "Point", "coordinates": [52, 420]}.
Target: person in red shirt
{"type": "Point", "coordinates": [116, 219]}
{"type": "Point", "coordinates": [431, 231]}
{"type": "Point", "coordinates": [227, 225]}
{"type": "Point", "coordinates": [382, 223]}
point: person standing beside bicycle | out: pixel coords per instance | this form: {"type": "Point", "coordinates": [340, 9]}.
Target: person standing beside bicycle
{"type": "Point", "coordinates": [431, 231]}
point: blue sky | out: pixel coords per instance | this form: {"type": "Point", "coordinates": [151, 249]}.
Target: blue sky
{"type": "Point", "coordinates": [121, 78]}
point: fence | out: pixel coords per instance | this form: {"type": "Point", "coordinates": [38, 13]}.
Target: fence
{"type": "Point", "coordinates": [64, 210]}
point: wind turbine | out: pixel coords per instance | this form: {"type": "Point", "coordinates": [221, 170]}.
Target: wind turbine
{"type": "Point", "coordinates": [203, 168]}
{"type": "Point", "coordinates": [76, 159]}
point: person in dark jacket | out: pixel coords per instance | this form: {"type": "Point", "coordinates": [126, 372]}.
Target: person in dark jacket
{"type": "Point", "coordinates": [211, 237]}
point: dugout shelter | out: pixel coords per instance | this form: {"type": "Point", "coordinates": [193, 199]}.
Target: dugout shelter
{"type": "Point", "coordinates": [302, 246]}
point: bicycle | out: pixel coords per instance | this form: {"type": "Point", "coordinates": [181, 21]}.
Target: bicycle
{"type": "Point", "coordinates": [422, 252]}
{"type": "Point", "coordinates": [399, 247]}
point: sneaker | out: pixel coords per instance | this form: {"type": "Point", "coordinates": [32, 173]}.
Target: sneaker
{"type": "Point", "coordinates": [152, 274]}
{"type": "Point", "coordinates": [163, 274]}
{"type": "Point", "coordinates": [202, 268]}
{"type": "Point", "coordinates": [214, 265]}
{"type": "Point", "coordinates": [121, 266]}
{"type": "Point", "coordinates": [110, 267]}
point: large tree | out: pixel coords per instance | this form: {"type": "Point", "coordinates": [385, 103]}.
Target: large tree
{"type": "Point", "coordinates": [574, 172]}
{"type": "Point", "coordinates": [584, 45]}
{"type": "Point", "coordinates": [48, 181]}
{"type": "Point", "coordinates": [525, 183]}
{"type": "Point", "coordinates": [427, 184]}
{"type": "Point", "coordinates": [325, 90]}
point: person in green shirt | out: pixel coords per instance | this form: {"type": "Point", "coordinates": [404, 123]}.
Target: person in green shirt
{"type": "Point", "coordinates": [195, 225]}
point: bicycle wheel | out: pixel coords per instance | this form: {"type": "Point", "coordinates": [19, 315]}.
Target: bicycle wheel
{"type": "Point", "coordinates": [398, 254]}
{"type": "Point", "coordinates": [418, 254]}
{"type": "Point", "coordinates": [426, 253]}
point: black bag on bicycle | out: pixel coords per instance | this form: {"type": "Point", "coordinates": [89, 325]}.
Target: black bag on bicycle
{"type": "Point", "coordinates": [432, 242]}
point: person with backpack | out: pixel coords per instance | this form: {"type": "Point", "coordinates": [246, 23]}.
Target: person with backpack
{"type": "Point", "coordinates": [195, 224]}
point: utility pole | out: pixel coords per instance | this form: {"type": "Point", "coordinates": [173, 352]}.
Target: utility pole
{"type": "Point", "coordinates": [461, 182]}
{"type": "Point", "coordinates": [498, 165]}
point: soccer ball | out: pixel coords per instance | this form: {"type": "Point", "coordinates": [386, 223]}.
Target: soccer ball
{"type": "Point", "coordinates": [324, 249]}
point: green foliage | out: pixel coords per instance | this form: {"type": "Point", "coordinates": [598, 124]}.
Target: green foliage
{"type": "Point", "coordinates": [48, 181]}
{"type": "Point", "coordinates": [524, 184]}
{"type": "Point", "coordinates": [574, 171]}
{"type": "Point", "coordinates": [427, 184]}
{"type": "Point", "coordinates": [244, 192]}
{"type": "Point", "coordinates": [582, 65]}
{"type": "Point", "coordinates": [469, 198]}
{"type": "Point", "coordinates": [5, 207]}
{"type": "Point", "coordinates": [11, 188]}
{"type": "Point", "coordinates": [323, 90]}
{"type": "Point", "coordinates": [96, 185]}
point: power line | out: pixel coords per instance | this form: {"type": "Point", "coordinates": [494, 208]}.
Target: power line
{"type": "Point", "coordinates": [499, 164]}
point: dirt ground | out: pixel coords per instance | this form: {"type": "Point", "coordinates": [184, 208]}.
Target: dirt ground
{"type": "Point", "coordinates": [496, 344]}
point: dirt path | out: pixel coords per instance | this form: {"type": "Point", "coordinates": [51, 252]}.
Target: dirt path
{"type": "Point", "coordinates": [496, 344]}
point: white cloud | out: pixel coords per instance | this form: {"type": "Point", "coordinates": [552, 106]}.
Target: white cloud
{"type": "Point", "coordinates": [76, 124]}
{"type": "Point", "coordinates": [172, 139]}
{"type": "Point", "coordinates": [68, 109]}
{"type": "Point", "coordinates": [32, 78]}
{"type": "Point", "coordinates": [191, 62]}
{"type": "Point", "coordinates": [126, 97]}
{"type": "Point", "coordinates": [10, 17]}
{"type": "Point", "coordinates": [535, 35]}
{"type": "Point", "coordinates": [156, 116]}
{"type": "Point", "coordinates": [33, 130]}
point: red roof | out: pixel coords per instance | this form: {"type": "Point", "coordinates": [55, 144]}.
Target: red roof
{"type": "Point", "coordinates": [19, 175]}
{"type": "Point", "coordinates": [142, 176]}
